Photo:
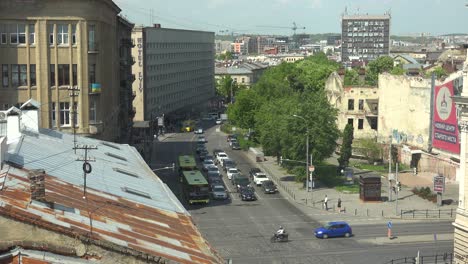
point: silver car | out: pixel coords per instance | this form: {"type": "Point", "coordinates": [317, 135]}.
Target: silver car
{"type": "Point", "coordinates": [207, 163]}
{"type": "Point", "coordinates": [219, 192]}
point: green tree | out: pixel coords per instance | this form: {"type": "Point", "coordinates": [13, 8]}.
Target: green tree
{"type": "Point", "coordinates": [242, 112]}
{"type": "Point", "coordinates": [351, 78]}
{"type": "Point", "coordinates": [398, 70]}
{"type": "Point", "coordinates": [225, 56]}
{"type": "Point", "coordinates": [438, 71]}
{"type": "Point", "coordinates": [376, 67]}
{"type": "Point", "coordinates": [224, 86]}
{"type": "Point", "coordinates": [346, 147]}
{"type": "Point", "coordinates": [372, 149]}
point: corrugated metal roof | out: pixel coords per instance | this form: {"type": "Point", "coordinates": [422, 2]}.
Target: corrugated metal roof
{"type": "Point", "coordinates": [157, 226]}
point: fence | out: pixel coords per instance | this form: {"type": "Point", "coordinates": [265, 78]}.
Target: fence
{"type": "Point", "coordinates": [436, 213]}
{"type": "Point", "coordinates": [446, 258]}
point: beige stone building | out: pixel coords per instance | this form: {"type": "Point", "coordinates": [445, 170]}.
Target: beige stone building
{"type": "Point", "coordinates": [48, 48]}
{"type": "Point", "coordinates": [461, 220]}
{"type": "Point", "coordinates": [357, 106]}
{"type": "Point", "coordinates": [174, 70]}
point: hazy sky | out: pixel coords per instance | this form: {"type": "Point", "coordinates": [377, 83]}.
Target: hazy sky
{"type": "Point", "coordinates": [409, 17]}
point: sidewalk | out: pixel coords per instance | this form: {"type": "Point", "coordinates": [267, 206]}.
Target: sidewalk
{"type": "Point", "coordinates": [352, 206]}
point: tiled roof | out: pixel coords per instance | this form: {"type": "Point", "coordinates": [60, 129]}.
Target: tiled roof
{"type": "Point", "coordinates": [128, 208]}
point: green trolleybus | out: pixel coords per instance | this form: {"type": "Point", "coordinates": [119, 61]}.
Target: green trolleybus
{"type": "Point", "coordinates": [196, 187]}
{"type": "Point", "coordinates": [187, 163]}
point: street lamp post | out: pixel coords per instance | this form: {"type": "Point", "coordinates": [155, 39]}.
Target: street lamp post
{"type": "Point", "coordinates": [307, 153]}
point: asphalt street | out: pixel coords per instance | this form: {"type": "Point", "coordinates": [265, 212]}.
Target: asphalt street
{"type": "Point", "coordinates": [241, 230]}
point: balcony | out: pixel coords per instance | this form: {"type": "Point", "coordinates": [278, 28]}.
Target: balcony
{"type": "Point", "coordinates": [372, 112]}
{"type": "Point", "coordinates": [93, 47]}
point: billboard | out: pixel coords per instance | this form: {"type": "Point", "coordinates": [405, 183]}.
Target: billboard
{"type": "Point", "coordinates": [445, 127]}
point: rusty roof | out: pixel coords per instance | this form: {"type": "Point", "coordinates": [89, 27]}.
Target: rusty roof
{"type": "Point", "coordinates": [127, 208]}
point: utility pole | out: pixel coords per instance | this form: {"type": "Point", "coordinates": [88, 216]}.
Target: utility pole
{"type": "Point", "coordinates": [389, 168]}
{"type": "Point", "coordinates": [396, 188]}
{"type": "Point", "coordinates": [86, 165]}
{"type": "Point", "coordinates": [73, 93]}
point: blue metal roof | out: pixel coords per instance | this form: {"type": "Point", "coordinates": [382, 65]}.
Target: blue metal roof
{"type": "Point", "coordinates": [117, 168]}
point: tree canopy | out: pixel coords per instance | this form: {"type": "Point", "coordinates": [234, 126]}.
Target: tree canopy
{"type": "Point", "coordinates": [283, 91]}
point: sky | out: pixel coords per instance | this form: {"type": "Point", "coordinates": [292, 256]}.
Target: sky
{"type": "Point", "coordinates": [409, 17]}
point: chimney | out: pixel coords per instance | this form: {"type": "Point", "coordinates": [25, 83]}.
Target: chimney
{"type": "Point", "coordinates": [37, 184]}
{"type": "Point", "coordinates": [157, 25]}
{"type": "Point", "coordinates": [13, 123]}
{"type": "Point", "coordinates": [30, 117]}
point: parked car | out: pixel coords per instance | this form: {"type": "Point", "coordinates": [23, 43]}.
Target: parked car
{"type": "Point", "coordinates": [202, 155]}
{"type": "Point", "coordinates": [214, 178]}
{"type": "Point", "coordinates": [235, 146]}
{"type": "Point", "coordinates": [219, 121]}
{"type": "Point", "coordinates": [259, 177]}
{"type": "Point", "coordinates": [201, 139]}
{"type": "Point", "coordinates": [198, 131]}
{"type": "Point", "coordinates": [334, 229]}
{"type": "Point", "coordinates": [232, 141]}
{"type": "Point", "coordinates": [227, 164]}
{"type": "Point", "coordinates": [253, 171]}
{"type": "Point", "coordinates": [200, 148]}
{"type": "Point", "coordinates": [216, 151]}
{"type": "Point", "coordinates": [231, 171]}
{"type": "Point", "coordinates": [209, 157]}
{"type": "Point", "coordinates": [220, 157]}
{"type": "Point", "coordinates": [213, 168]}
{"type": "Point", "coordinates": [206, 163]}
{"type": "Point", "coordinates": [218, 192]}
{"type": "Point", "coordinates": [247, 193]}
{"type": "Point", "coordinates": [231, 137]}
{"type": "Point", "coordinates": [240, 180]}
{"type": "Point", "coordinates": [269, 187]}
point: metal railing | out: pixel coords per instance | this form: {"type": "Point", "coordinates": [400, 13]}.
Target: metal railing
{"type": "Point", "coordinates": [445, 258]}
{"type": "Point", "coordinates": [435, 213]}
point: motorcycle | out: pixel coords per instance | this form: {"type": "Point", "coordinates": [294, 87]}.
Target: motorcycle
{"type": "Point", "coordinates": [279, 238]}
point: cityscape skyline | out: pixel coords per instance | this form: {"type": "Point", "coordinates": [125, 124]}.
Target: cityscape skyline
{"type": "Point", "coordinates": [317, 16]}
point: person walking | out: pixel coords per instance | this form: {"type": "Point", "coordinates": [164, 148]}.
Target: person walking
{"type": "Point", "coordinates": [339, 205]}
{"type": "Point", "coordinates": [325, 202]}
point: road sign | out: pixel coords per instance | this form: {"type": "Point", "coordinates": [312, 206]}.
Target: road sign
{"type": "Point", "coordinates": [311, 168]}
{"type": "Point", "coordinates": [439, 184]}
{"type": "Point", "coordinates": [389, 225]}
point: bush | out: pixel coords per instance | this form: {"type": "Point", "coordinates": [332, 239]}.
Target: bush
{"type": "Point", "coordinates": [425, 193]}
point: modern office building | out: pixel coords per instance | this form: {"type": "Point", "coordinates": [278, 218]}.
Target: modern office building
{"type": "Point", "coordinates": [66, 57]}
{"type": "Point", "coordinates": [174, 70]}
{"type": "Point", "coordinates": [364, 37]}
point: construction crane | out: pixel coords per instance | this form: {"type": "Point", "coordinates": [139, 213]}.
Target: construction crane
{"type": "Point", "coordinates": [294, 27]}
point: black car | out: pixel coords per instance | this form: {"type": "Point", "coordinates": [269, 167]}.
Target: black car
{"type": "Point", "coordinates": [269, 187]}
{"type": "Point", "coordinates": [247, 194]}
{"type": "Point", "coordinates": [240, 181]}
{"type": "Point", "coordinates": [214, 178]}
{"type": "Point", "coordinates": [235, 146]}
{"type": "Point", "coordinates": [253, 171]}
{"type": "Point", "coordinates": [228, 163]}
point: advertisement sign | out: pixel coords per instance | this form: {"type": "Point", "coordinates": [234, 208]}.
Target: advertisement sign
{"type": "Point", "coordinates": [445, 136]}
{"type": "Point", "coordinates": [439, 184]}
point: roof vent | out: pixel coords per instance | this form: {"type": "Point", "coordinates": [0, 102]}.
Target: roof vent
{"type": "Point", "coordinates": [115, 156]}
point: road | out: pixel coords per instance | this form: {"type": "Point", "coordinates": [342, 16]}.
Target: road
{"type": "Point", "coordinates": [242, 230]}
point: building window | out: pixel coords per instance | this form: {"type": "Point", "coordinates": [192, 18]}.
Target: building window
{"type": "Point", "coordinates": [350, 104]}
{"type": "Point", "coordinates": [360, 123]}
{"type": "Point", "coordinates": [361, 104]}
{"type": "Point", "coordinates": [92, 73]}
{"type": "Point", "coordinates": [243, 80]}
{"type": "Point", "coordinates": [74, 34]}
{"type": "Point", "coordinates": [65, 114]}
{"type": "Point", "coordinates": [32, 35]}
{"type": "Point", "coordinates": [4, 38]}
{"type": "Point", "coordinates": [373, 123]}
{"type": "Point", "coordinates": [52, 74]}
{"type": "Point", "coordinates": [93, 111]}
{"type": "Point", "coordinates": [23, 75]}
{"type": "Point", "coordinates": [75, 74]}
{"type": "Point", "coordinates": [32, 74]}
{"type": "Point", "coordinates": [51, 35]}
{"type": "Point", "coordinates": [350, 121]}
{"type": "Point", "coordinates": [91, 37]}
{"type": "Point", "coordinates": [5, 75]}
{"type": "Point", "coordinates": [52, 115]}
{"type": "Point", "coordinates": [63, 74]}
{"type": "Point", "coordinates": [62, 34]}
{"type": "Point", "coordinates": [15, 75]}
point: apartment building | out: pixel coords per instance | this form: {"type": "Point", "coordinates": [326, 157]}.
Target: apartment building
{"type": "Point", "coordinates": [364, 37]}
{"type": "Point", "coordinates": [65, 56]}
{"type": "Point", "coordinates": [174, 70]}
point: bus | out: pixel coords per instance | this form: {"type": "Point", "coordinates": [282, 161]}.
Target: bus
{"type": "Point", "coordinates": [187, 163]}
{"type": "Point", "coordinates": [196, 187]}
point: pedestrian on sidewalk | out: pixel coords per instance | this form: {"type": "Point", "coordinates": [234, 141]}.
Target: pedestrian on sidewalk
{"type": "Point", "coordinates": [325, 202]}
{"type": "Point", "coordinates": [339, 205]}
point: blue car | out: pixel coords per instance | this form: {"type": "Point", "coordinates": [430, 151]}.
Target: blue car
{"type": "Point", "coordinates": [334, 229]}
